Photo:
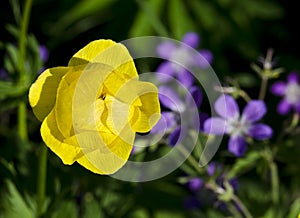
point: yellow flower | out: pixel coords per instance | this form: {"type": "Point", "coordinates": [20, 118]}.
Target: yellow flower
{"type": "Point", "coordinates": [91, 109]}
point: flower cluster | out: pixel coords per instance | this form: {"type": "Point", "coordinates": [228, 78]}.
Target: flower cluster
{"type": "Point", "coordinates": [179, 59]}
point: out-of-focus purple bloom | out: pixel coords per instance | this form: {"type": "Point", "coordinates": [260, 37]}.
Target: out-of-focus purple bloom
{"type": "Point", "coordinates": [3, 74]}
{"type": "Point", "coordinates": [290, 91]}
{"type": "Point", "coordinates": [180, 58]}
{"type": "Point", "coordinates": [191, 203]}
{"type": "Point", "coordinates": [179, 109]}
{"type": "Point", "coordinates": [214, 167]}
{"type": "Point", "coordinates": [238, 126]}
{"type": "Point", "coordinates": [44, 53]}
{"type": "Point", "coordinates": [195, 184]}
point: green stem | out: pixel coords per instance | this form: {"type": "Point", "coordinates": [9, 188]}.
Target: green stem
{"type": "Point", "coordinates": [190, 158]}
{"type": "Point", "coordinates": [153, 18]}
{"type": "Point", "coordinates": [242, 207]}
{"type": "Point", "coordinates": [275, 183]}
{"type": "Point", "coordinates": [22, 125]}
{"type": "Point", "coordinates": [263, 88]}
{"type": "Point", "coordinates": [22, 40]}
{"type": "Point", "coordinates": [41, 181]}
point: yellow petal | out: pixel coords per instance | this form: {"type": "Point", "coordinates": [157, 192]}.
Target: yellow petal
{"type": "Point", "coordinates": [106, 52]}
{"type": "Point", "coordinates": [42, 93]}
{"type": "Point", "coordinates": [101, 157]}
{"type": "Point", "coordinates": [66, 149]}
{"type": "Point", "coordinates": [147, 112]}
{"type": "Point", "coordinates": [64, 101]}
{"type": "Point", "coordinates": [86, 104]}
{"type": "Point", "coordinates": [116, 114]}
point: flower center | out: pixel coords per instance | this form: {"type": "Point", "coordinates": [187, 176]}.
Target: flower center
{"type": "Point", "coordinates": [238, 126]}
{"type": "Point", "coordinates": [292, 93]}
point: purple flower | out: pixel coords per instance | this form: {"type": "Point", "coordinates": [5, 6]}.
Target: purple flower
{"type": "Point", "coordinates": [290, 91]}
{"type": "Point", "coordinates": [44, 54]}
{"type": "Point", "coordinates": [182, 58]}
{"type": "Point", "coordinates": [3, 74]}
{"type": "Point", "coordinates": [180, 108]}
{"type": "Point", "coordinates": [214, 167]}
{"type": "Point", "coordinates": [191, 203]}
{"type": "Point", "coordinates": [195, 184]}
{"type": "Point", "coordinates": [238, 126]}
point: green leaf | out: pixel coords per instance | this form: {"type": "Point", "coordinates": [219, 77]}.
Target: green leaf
{"type": "Point", "coordinates": [81, 10]}
{"type": "Point", "coordinates": [14, 204]}
{"type": "Point", "coordinates": [179, 18]}
{"type": "Point", "coordinates": [246, 80]}
{"type": "Point", "coordinates": [168, 214]}
{"type": "Point", "coordinates": [143, 25]}
{"type": "Point", "coordinates": [16, 10]}
{"type": "Point", "coordinates": [13, 30]}
{"type": "Point", "coordinates": [12, 59]}
{"type": "Point", "coordinates": [91, 207]}
{"type": "Point", "coordinates": [294, 209]}
{"type": "Point", "coordinates": [206, 13]}
{"type": "Point", "coordinates": [8, 89]}
{"type": "Point", "coordinates": [153, 16]}
{"type": "Point", "coordinates": [34, 59]}
{"type": "Point", "coordinates": [244, 164]}
{"type": "Point", "coordinates": [67, 209]}
{"type": "Point", "coordinates": [262, 9]}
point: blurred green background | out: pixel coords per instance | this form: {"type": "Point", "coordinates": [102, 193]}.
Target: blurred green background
{"type": "Point", "coordinates": [237, 32]}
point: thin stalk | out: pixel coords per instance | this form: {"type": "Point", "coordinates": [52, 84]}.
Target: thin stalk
{"type": "Point", "coordinates": [22, 40]}
{"type": "Point", "coordinates": [263, 88]}
{"type": "Point", "coordinates": [275, 183]}
{"type": "Point", "coordinates": [22, 125]}
{"type": "Point", "coordinates": [190, 158]}
{"type": "Point", "coordinates": [242, 207]}
{"type": "Point", "coordinates": [41, 180]}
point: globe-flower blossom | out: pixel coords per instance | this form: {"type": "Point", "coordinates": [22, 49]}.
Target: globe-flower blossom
{"type": "Point", "coordinates": [184, 58]}
{"type": "Point", "coordinates": [238, 126]}
{"type": "Point", "coordinates": [91, 109]}
{"type": "Point", "coordinates": [290, 91]}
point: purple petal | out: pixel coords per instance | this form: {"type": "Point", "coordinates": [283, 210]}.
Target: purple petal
{"type": "Point", "coordinates": [44, 54]}
{"type": "Point", "coordinates": [185, 77]}
{"type": "Point", "coordinates": [278, 88]}
{"type": "Point", "coordinates": [297, 107]}
{"type": "Point", "coordinates": [165, 49]}
{"type": "Point", "coordinates": [260, 131]}
{"type": "Point", "coordinates": [165, 123]}
{"type": "Point", "coordinates": [203, 59]}
{"type": "Point", "coordinates": [195, 183]}
{"type": "Point", "coordinates": [234, 182]}
{"type": "Point", "coordinates": [254, 110]}
{"type": "Point", "coordinates": [237, 146]}
{"type": "Point", "coordinates": [165, 72]}
{"type": "Point", "coordinates": [293, 77]}
{"type": "Point", "coordinates": [211, 168]}
{"type": "Point", "coordinates": [170, 99]}
{"type": "Point", "coordinates": [194, 96]}
{"type": "Point", "coordinates": [177, 135]}
{"type": "Point", "coordinates": [215, 125]}
{"type": "Point", "coordinates": [191, 203]}
{"type": "Point", "coordinates": [192, 39]}
{"type": "Point", "coordinates": [284, 107]}
{"type": "Point", "coordinates": [226, 107]}
{"type": "Point", "coordinates": [3, 74]}
{"type": "Point", "coordinates": [202, 118]}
